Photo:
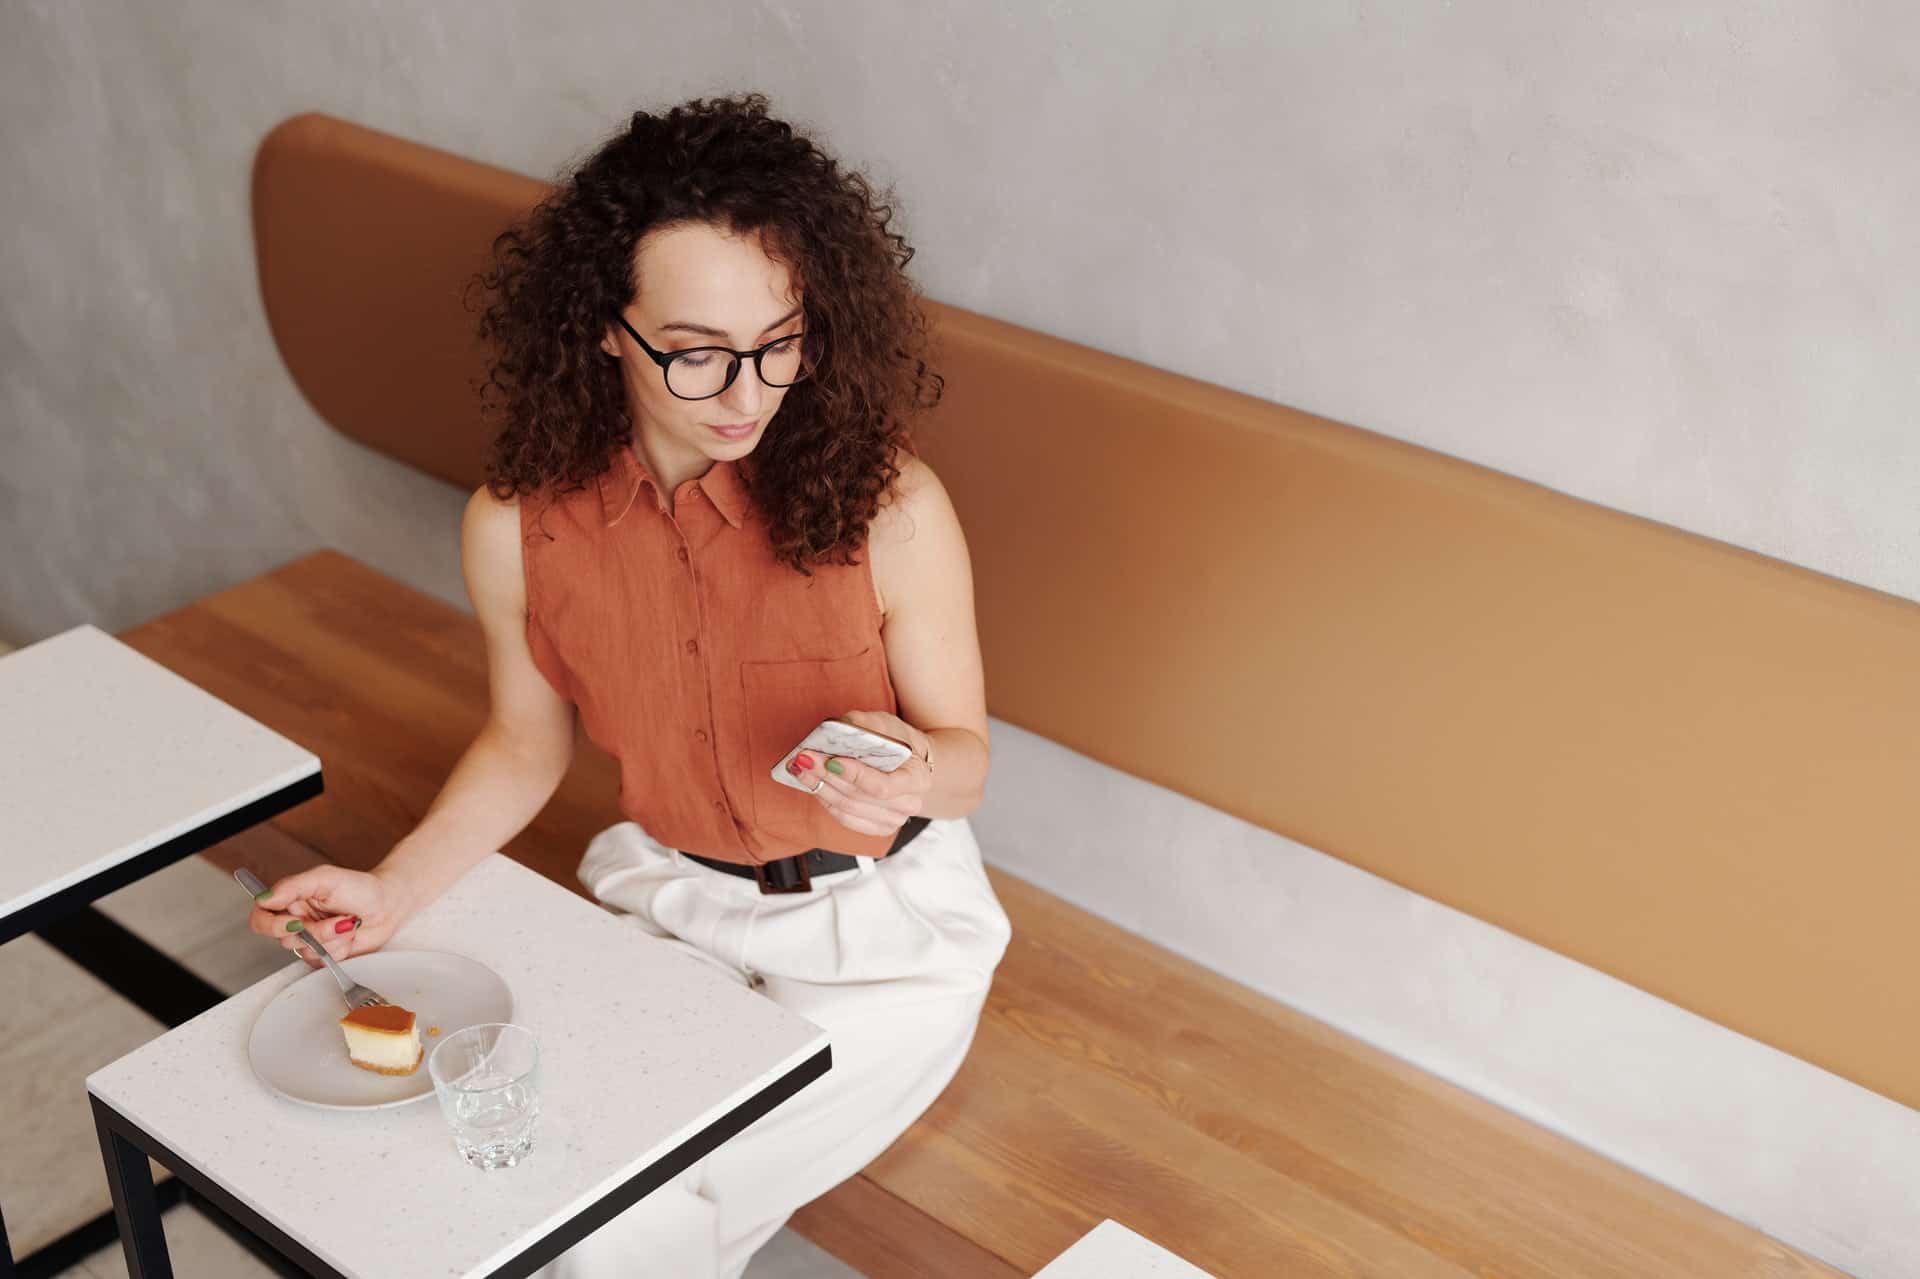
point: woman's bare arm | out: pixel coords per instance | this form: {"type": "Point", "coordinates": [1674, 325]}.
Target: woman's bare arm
{"type": "Point", "coordinates": [522, 752]}
{"type": "Point", "coordinates": [925, 581]}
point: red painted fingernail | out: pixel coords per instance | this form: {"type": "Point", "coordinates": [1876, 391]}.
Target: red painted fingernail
{"type": "Point", "coordinates": [345, 925]}
{"type": "Point", "coordinates": [804, 761]}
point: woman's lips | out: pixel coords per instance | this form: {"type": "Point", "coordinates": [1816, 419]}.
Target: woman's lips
{"type": "Point", "coordinates": [734, 431]}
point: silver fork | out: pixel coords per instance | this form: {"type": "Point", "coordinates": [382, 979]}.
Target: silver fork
{"type": "Point", "coordinates": [356, 995]}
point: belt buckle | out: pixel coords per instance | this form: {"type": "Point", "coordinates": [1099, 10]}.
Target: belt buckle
{"type": "Point", "coordinates": [798, 879]}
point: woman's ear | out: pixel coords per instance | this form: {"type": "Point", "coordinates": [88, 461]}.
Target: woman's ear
{"type": "Point", "coordinates": [610, 344]}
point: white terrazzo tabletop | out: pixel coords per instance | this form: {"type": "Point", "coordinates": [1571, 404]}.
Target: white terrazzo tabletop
{"type": "Point", "coordinates": [105, 753]}
{"type": "Point", "coordinates": [1111, 1251]}
{"type": "Point", "coordinates": [641, 1047]}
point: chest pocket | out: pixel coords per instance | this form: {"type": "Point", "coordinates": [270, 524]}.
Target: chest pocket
{"type": "Point", "coordinates": [784, 701]}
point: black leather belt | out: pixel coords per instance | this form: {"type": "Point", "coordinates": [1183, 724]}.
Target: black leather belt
{"type": "Point", "coordinates": [795, 874]}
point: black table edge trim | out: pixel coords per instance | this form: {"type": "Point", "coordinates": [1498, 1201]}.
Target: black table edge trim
{"type": "Point", "coordinates": [33, 917]}
{"type": "Point", "coordinates": [669, 1166]}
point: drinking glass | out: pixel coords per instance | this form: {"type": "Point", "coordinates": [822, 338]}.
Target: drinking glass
{"type": "Point", "coordinates": [487, 1078]}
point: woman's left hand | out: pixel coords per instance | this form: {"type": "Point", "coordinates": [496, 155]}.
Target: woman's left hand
{"type": "Point", "coordinates": [863, 798]}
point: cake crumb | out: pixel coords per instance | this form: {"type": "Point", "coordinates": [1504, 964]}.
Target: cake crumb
{"type": "Point", "coordinates": [433, 1030]}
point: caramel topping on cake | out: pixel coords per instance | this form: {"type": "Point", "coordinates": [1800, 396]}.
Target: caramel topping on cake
{"type": "Point", "coordinates": [390, 1018]}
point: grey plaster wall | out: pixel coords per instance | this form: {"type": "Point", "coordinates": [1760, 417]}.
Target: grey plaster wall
{"type": "Point", "coordinates": [1654, 255]}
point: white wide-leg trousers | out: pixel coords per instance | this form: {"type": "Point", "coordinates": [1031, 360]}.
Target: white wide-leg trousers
{"type": "Point", "coordinates": [892, 960]}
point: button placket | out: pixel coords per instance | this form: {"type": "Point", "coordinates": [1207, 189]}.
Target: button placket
{"type": "Point", "coordinates": [690, 583]}
{"type": "Point", "coordinates": [700, 735]}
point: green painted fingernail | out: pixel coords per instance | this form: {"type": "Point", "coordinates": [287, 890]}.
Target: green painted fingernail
{"type": "Point", "coordinates": [834, 767]}
{"type": "Point", "coordinates": [263, 894]}
{"type": "Point", "coordinates": [294, 925]}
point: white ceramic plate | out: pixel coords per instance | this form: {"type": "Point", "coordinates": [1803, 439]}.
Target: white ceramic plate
{"type": "Point", "coordinates": [297, 1048]}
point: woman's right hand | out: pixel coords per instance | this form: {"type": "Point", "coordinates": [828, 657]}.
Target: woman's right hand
{"type": "Point", "coordinates": [326, 901]}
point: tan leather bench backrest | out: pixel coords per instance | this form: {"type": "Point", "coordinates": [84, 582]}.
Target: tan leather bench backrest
{"type": "Point", "coordinates": [1689, 766]}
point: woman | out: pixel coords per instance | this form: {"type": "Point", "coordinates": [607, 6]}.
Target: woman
{"type": "Point", "coordinates": [704, 531]}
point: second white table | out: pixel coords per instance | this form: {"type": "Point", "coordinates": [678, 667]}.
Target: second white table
{"type": "Point", "coordinates": [1111, 1251]}
{"type": "Point", "coordinates": [113, 767]}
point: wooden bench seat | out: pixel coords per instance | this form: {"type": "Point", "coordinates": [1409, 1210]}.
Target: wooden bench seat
{"type": "Point", "coordinates": [1110, 1077]}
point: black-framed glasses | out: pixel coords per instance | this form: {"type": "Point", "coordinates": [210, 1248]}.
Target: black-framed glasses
{"type": "Point", "coordinates": [702, 372]}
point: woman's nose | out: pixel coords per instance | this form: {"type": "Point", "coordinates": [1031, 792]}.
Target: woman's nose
{"type": "Point", "coordinates": [744, 396]}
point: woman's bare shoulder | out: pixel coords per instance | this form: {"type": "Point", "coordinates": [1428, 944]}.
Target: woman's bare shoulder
{"type": "Point", "coordinates": [490, 553]}
{"type": "Point", "coordinates": [915, 541]}
{"type": "Point", "coordinates": [916, 500]}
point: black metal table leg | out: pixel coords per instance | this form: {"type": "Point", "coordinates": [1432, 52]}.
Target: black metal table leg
{"type": "Point", "coordinates": [134, 1205]}
{"type": "Point", "coordinates": [125, 1148]}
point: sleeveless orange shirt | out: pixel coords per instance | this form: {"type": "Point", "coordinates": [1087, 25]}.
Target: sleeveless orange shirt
{"type": "Point", "coordinates": [697, 660]}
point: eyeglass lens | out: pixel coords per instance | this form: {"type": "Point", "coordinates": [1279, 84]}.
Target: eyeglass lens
{"type": "Point", "coordinates": [699, 374]}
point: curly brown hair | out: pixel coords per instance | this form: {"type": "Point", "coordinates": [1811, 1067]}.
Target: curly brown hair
{"type": "Point", "coordinates": [558, 276]}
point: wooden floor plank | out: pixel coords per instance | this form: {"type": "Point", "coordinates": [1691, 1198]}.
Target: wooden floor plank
{"type": "Point", "coordinates": [1109, 1077]}
{"type": "Point", "coordinates": [884, 1237]}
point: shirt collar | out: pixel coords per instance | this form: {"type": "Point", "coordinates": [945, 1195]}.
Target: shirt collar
{"type": "Point", "coordinates": [620, 487]}
{"type": "Point", "coordinates": [728, 492]}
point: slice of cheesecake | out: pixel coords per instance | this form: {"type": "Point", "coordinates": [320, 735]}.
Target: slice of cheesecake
{"type": "Point", "coordinates": [383, 1038]}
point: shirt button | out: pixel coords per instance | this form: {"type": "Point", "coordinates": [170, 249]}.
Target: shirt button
{"type": "Point", "coordinates": [693, 646]}
{"type": "Point", "coordinates": [682, 553]}
{"type": "Point", "coordinates": [700, 735]}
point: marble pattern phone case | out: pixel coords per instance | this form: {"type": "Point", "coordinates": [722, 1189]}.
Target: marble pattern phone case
{"type": "Point", "coordinates": [834, 737]}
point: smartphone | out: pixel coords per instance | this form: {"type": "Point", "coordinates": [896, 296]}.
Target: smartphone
{"type": "Point", "coordinates": [837, 737]}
